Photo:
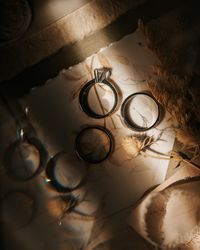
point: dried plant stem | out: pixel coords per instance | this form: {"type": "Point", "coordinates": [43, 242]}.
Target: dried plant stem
{"type": "Point", "coordinates": [102, 107]}
{"type": "Point", "coordinates": [156, 156]}
{"type": "Point", "coordinates": [99, 99]}
{"type": "Point", "coordinates": [170, 156]}
{"type": "Point", "coordinates": [96, 92]}
{"type": "Point", "coordinates": [114, 125]}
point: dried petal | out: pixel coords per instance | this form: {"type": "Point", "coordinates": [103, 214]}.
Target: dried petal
{"type": "Point", "coordinates": [132, 146]}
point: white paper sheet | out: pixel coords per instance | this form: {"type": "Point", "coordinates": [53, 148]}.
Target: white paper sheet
{"type": "Point", "coordinates": [55, 113]}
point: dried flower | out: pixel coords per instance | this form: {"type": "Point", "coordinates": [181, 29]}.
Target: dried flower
{"type": "Point", "coordinates": [176, 80]}
{"type": "Point", "coordinates": [135, 144]}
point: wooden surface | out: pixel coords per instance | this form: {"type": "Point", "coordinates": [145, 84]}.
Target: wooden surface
{"type": "Point", "coordinates": [46, 12]}
{"type": "Point", "coordinates": [68, 56]}
{"type": "Point", "coordinates": [72, 27]}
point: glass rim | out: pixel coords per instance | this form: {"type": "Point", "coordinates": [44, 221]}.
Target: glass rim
{"type": "Point", "coordinates": [108, 135]}
{"type": "Point", "coordinates": [10, 150]}
{"type": "Point", "coordinates": [50, 174]}
{"type": "Point", "coordinates": [129, 122]}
